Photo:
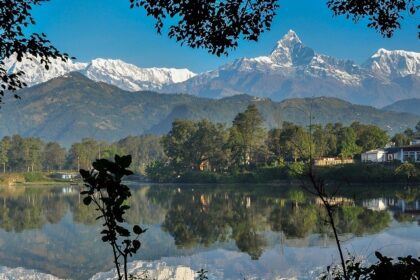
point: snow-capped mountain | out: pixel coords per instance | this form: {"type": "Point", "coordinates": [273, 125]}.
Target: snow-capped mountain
{"type": "Point", "coordinates": [36, 73]}
{"type": "Point", "coordinates": [394, 64]}
{"type": "Point", "coordinates": [295, 70]}
{"type": "Point", "coordinates": [292, 69]}
{"type": "Point", "coordinates": [130, 77]}
{"type": "Point", "coordinates": [111, 71]}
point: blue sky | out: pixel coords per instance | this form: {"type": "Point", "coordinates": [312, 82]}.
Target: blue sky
{"type": "Point", "coordinates": [89, 29]}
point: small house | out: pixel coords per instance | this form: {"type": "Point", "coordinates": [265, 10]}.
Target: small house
{"type": "Point", "coordinates": [326, 161]}
{"type": "Point", "coordinates": [404, 154]}
{"type": "Point", "coordinates": [378, 155]}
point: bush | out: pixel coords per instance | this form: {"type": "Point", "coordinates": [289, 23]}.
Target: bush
{"type": "Point", "coordinates": [362, 173]}
{"type": "Point", "coordinates": [405, 268]}
{"type": "Point", "coordinates": [34, 177]}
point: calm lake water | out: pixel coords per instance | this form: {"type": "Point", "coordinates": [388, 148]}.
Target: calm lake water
{"type": "Point", "coordinates": [256, 232]}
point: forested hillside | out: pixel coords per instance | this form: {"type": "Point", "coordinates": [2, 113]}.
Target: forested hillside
{"type": "Point", "coordinates": [68, 109]}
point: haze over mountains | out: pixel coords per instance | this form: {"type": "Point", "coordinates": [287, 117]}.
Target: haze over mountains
{"type": "Point", "coordinates": [69, 108]}
{"type": "Point", "coordinates": [292, 70]}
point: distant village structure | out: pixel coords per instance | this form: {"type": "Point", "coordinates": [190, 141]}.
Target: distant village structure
{"type": "Point", "coordinates": [402, 154]}
{"type": "Point", "coordinates": [327, 161]}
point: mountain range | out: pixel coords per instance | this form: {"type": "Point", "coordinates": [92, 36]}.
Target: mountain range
{"type": "Point", "coordinates": [111, 71]}
{"type": "Point", "coordinates": [291, 70]}
{"type": "Point", "coordinates": [411, 106]}
{"type": "Point", "coordinates": [71, 107]}
{"type": "Point", "coordinates": [295, 70]}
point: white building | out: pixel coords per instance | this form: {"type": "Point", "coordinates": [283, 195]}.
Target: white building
{"type": "Point", "coordinates": [410, 153]}
{"type": "Point", "coordinates": [378, 155]}
{"type": "Point", "coordinates": [404, 154]}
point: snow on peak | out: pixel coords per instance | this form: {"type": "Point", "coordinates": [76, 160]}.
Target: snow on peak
{"type": "Point", "coordinates": [130, 77]}
{"type": "Point", "coordinates": [290, 51]}
{"type": "Point", "coordinates": [291, 57]}
{"type": "Point", "coordinates": [112, 71]}
{"type": "Point", "coordinates": [35, 72]}
{"type": "Point", "coordinates": [394, 63]}
{"type": "Point", "coordinates": [290, 38]}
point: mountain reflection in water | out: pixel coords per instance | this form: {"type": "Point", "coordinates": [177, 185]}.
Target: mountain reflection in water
{"type": "Point", "coordinates": [50, 230]}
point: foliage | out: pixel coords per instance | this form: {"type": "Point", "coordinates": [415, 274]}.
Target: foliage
{"type": "Point", "coordinates": [15, 40]}
{"type": "Point", "coordinates": [295, 142]}
{"type": "Point", "coordinates": [162, 110]}
{"type": "Point", "coordinates": [144, 149]}
{"type": "Point", "coordinates": [369, 137]}
{"type": "Point", "coordinates": [296, 169]}
{"type": "Point", "coordinates": [202, 274]}
{"type": "Point", "coordinates": [385, 16]}
{"type": "Point", "coordinates": [214, 25]}
{"type": "Point", "coordinates": [53, 156]}
{"type": "Point", "coordinates": [34, 177]}
{"type": "Point", "coordinates": [109, 195]}
{"type": "Point", "coordinates": [401, 139]}
{"type": "Point", "coordinates": [362, 173]}
{"type": "Point", "coordinates": [407, 169]}
{"type": "Point", "coordinates": [205, 152]}
{"type": "Point", "coordinates": [405, 268]}
{"type": "Point", "coordinates": [159, 171]}
{"type": "Point", "coordinates": [246, 137]}
{"type": "Point", "coordinates": [347, 143]}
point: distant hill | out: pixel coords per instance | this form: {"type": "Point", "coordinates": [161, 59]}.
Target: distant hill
{"type": "Point", "coordinates": [71, 107]}
{"type": "Point", "coordinates": [411, 106]}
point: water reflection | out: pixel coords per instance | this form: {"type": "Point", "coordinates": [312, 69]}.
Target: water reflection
{"type": "Point", "coordinates": [49, 229]}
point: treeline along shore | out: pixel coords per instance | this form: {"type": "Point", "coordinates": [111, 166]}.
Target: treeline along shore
{"type": "Point", "coordinates": [202, 151]}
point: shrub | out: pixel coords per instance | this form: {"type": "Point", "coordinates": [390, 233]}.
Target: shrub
{"type": "Point", "coordinates": [34, 177]}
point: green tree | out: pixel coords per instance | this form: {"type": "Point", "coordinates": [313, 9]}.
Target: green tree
{"type": "Point", "coordinates": [273, 144]}
{"type": "Point", "coordinates": [417, 133]}
{"type": "Point", "coordinates": [206, 144]}
{"type": "Point", "coordinates": [346, 142]}
{"type": "Point", "coordinates": [4, 151]}
{"type": "Point", "coordinates": [295, 142]}
{"type": "Point", "coordinates": [369, 137]}
{"type": "Point", "coordinates": [175, 145]}
{"type": "Point", "coordinates": [409, 133]}
{"type": "Point", "coordinates": [407, 169]}
{"type": "Point", "coordinates": [82, 154]}
{"type": "Point", "coordinates": [33, 153]}
{"type": "Point", "coordinates": [400, 139]}
{"type": "Point", "coordinates": [53, 156]}
{"type": "Point", "coordinates": [15, 154]}
{"type": "Point", "coordinates": [247, 136]}
{"type": "Point", "coordinates": [144, 149]}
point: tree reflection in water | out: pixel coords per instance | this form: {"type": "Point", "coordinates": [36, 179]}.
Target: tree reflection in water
{"type": "Point", "coordinates": [207, 215]}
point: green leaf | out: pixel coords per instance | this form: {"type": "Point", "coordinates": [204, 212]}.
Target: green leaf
{"type": "Point", "coordinates": [87, 200]}
{"type": "Point", "coordinates": [136, 244]}
{"type": "Point", "coordinates": [123, 161]}
{"type": "Point", "coordinates": [84, 173]}
{"type": "Point", "coordinates": [138, 230]}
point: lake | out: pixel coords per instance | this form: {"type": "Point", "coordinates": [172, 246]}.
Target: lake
{"type": "Point", "coordinates": [234, 232]}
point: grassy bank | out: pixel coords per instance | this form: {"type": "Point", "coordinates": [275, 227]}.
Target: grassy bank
{"type": "Point", "coordinates": [28, 178]}
{"type": "Point", "coordinates": [350, 173]}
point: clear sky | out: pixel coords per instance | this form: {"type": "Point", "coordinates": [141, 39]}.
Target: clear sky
{"type": "Point", "coordinates": [89, 29]}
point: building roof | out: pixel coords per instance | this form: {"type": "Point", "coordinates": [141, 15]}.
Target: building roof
{"type": "Point", "coordinates": [374, 151]}
{"type": "Point", "coordinates": [415, 147]}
